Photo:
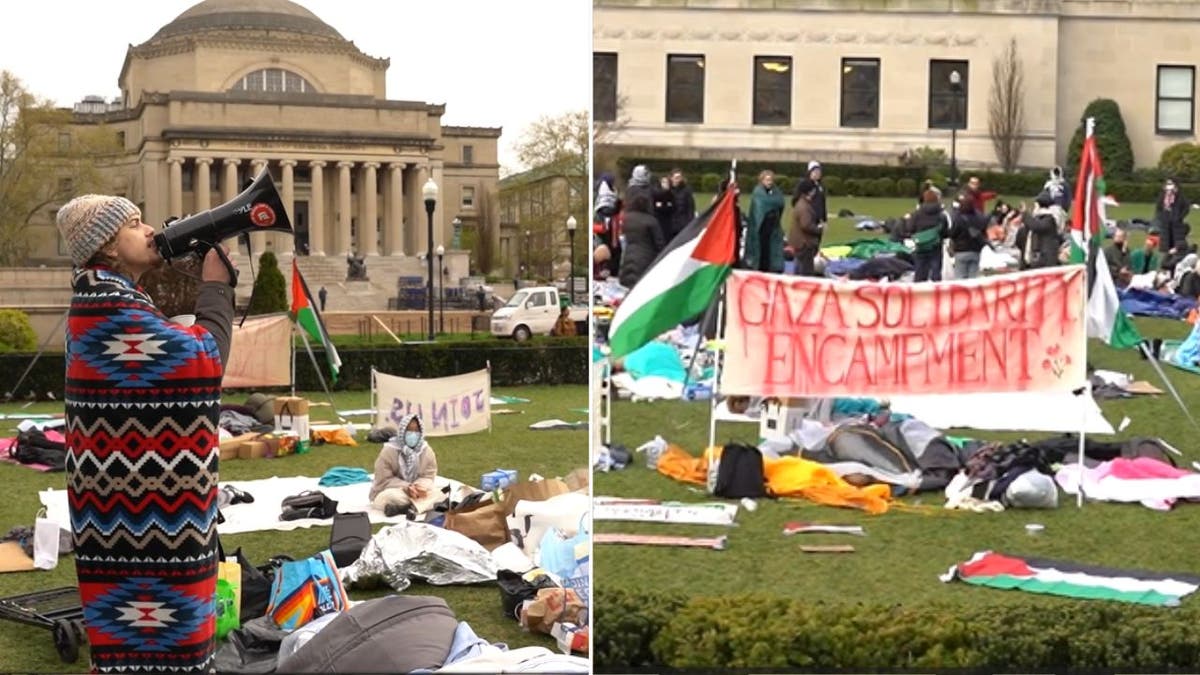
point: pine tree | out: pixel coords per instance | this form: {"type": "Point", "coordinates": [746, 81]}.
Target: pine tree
{"type": "Point", "coordinates": [270, 289]}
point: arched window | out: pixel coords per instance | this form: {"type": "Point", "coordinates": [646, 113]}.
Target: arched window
{"type": "Point", "coordinates": [273, 79]}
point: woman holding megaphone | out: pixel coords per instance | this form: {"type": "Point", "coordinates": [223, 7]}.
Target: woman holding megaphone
{"type": "Point", "coordinates": [143, 398]}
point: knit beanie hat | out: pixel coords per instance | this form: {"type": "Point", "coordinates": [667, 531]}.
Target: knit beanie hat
{"type": "Point", "coordinates": [88, 222]}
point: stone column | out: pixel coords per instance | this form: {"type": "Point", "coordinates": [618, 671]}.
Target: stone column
{"type": "Point", "coordinates": [368, 231]}
{"type": "Point", "coordinates": [285, 242]}
{"type": "Point", "coordinates": [344, 205]}
{"type": "Point", "coordinates": [316, 210]}
{"type": "Point", "coordinates": [393, 237]}
{"type": "Point", "coordinates": [258, 240]}
{"type": "Point", "coordinates": [420, 221]}
{"type": "Point", "coordinates": [439, 230]}
{"type": "Point", "coordinates": [200, 187]}
{"type": "Point", "coordinates": [175, 187]}
{"type": "Point", "coordinates": [231, 186]}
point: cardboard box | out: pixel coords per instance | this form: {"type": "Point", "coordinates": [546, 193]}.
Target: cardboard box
{"type": "Point", "coordinates": [253, 450]}
{"type": "Point", "coordinates": [780, 417]}
{"type": "Point", "coordinates": [229, 447]}
{"type": "Point", "coordinates": [291, 416]}
{"type": "Point", "coordinates": [291, 404]}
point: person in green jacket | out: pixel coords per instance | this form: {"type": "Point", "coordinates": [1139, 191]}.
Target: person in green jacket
{"type": "Point", "coordinates": [1147, 258]}
{"type": "Point", "coordinates": [764, 234]}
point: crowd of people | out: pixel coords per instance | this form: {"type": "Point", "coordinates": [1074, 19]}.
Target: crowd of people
{"type": "Point", "coordinates": [630, 232]}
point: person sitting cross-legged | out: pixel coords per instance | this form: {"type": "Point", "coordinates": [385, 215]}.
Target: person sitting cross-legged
{"type": "Point", "coordinates": [405, 472]}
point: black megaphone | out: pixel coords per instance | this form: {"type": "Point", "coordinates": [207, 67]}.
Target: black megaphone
{"type": "Point", "coordinates": [258, 208]}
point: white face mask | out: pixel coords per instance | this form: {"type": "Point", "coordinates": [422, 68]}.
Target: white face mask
{"type": "Point", "coordinates": [412, 438]}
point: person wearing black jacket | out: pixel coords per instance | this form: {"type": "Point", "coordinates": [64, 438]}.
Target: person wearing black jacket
{"type": "Point", "coordinates": [1170, 214]}
{"type": "Point", "coordinates": [818, 196]}
{"type": "Point", "coordinates": [643, 240]}
{"type": "Point", "coordinates": [664, 207]}
{"type": "Point", "coordinates": [927, 227]}
{"type": "Point", "coordinates": [685, 203]}
{"type": "Point", "coordinates": [1040, 239]}
{"type": "Point", "coordinates": [967, 236]}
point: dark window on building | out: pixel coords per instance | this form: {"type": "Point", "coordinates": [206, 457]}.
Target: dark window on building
{"type": "Point", "coordinates": [468, 154]}
{"type": "Point", "coordinates": [187, 176]}
{"type": "Point", "coordinates": [604, 86]}
{"type": "Point", "coordinates": [302, 174]}
{"type": "Point", "coordinates": [773, 90]}
{"type": "Point", "coordinates": [1175, 103]}
{"type": "Point", "coordinates": [860, 92]}
{"type": "Point", "coordinates": [214, 178]}
{"type": "Point", "coordinates": [948, 102]}
{"type": "Point", "coordinates": [685, 88]}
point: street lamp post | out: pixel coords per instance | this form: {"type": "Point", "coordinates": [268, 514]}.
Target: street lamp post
{"type": "Point", "coordinates": [956, 89]}
{"type": "Point", "coordinates": [430, 192]}
{"type": "Point", "coordinates": [441, 251]}
{"type": "Point", "coordinates": [571, 224]}
{"type": "Point", "coordinates": [456, 242]}
{"type": "Point", "coordinates": [528, 254]}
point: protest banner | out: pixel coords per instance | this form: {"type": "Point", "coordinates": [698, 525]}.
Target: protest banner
{"type": "Point", "coordinates": [460, 404]}
{"type": "Point", "coordinates": [801, 336]}
{"type": "Point", "coordinates": [260, 353]}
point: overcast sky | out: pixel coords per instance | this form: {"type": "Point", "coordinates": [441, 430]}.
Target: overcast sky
{"type": "Point", "coordinates": [492, 62]}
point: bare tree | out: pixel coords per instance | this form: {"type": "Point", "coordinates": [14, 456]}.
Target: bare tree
{"type": "Point", "coordinates": [603, 134]}
{"type": "Point", "coordinates": [557, 149]}
{"type": "Point", "coordinates": [1006, 107]}
{"type": "Point", "coordinates": [564, 140]}
{"type": "Point", "coordinates": [44, 159]}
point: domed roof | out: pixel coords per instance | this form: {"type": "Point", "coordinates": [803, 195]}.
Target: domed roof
{"type": "Point", "coordinates": [254, 14]}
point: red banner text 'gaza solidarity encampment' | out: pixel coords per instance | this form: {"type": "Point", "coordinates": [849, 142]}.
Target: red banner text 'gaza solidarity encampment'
{"type": "Point", "coordinates": [798, 336]}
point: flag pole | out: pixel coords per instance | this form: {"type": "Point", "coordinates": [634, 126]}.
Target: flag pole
{"type": "Point", "coordinates": [312, 357]}
{"type": "Point", "coordinates": [293, 345]}
{"type": "Point", "coordinates": [1089, 215]}
{"type": "Point", "coordinates": [719, 338]}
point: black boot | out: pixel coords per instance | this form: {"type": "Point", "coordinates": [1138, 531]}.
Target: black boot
{"type": "Point", "coordinates": [392, 510]}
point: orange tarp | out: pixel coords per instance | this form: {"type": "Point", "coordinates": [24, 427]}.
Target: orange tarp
{"type": "Point", "coordinates": [786, 477]}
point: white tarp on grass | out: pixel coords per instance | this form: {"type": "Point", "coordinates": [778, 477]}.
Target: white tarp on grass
{"type": "Point", "coordinates": [268, 494]}
{"type": "Point", "coordinates": [1016, 411]}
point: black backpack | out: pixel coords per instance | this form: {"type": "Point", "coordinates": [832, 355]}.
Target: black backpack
{"type": "Point", "coordinates": [740, 473]}
{"type": "Point", "coordinates": [32, 447]}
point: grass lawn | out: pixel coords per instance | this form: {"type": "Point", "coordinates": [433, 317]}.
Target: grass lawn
{"type": "Point", "coordinates": [510, 445]}
{"type": "Point", "coordinates": [906, 548]}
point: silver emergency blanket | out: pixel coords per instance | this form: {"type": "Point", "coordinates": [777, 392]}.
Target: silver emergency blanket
{"type": "Point", "coordinates": [400, 553]}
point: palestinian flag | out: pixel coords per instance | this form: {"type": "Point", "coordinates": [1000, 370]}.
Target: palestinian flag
{"type": "Point", "coordinates": [682, 282]}
{"type": "Point", "coordinates": [1105, 318]}
{"type": "Point", "coordinates": [1073, 580]}
{"type": "Point", "coordinates": [304, 312]}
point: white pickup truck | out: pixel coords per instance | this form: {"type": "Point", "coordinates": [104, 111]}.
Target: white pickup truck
{"type": "Point", "coordinates": [534, 311]}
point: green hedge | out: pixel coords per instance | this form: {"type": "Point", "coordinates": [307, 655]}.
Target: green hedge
{"type": "Point", "coordinates": [552, 361]}
{"type": "Point", "coordinates": [637, 630]}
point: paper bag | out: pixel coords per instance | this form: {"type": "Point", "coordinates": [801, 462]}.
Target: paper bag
{"type": "Point", "coordinates": [46, 542]}
{"type": "Point", "coordinates": [231, 571]}
{"type": "Point", "coordinates": [483, 522]}
{"type": "Point", "coordinates": [532, 491]}
{"type": "Point", "coordinates": [551, 606]}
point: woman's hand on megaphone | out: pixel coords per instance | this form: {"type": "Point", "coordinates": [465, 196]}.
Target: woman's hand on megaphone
{"type": "Point", "coordinates": [214, 268]}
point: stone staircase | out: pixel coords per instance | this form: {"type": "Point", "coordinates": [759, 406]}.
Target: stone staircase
{"type": "Point", "coordinates": [330, 272]}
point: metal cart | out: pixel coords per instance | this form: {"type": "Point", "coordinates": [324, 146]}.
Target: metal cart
{"type": "Point", "coordinates": [58, 610]}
